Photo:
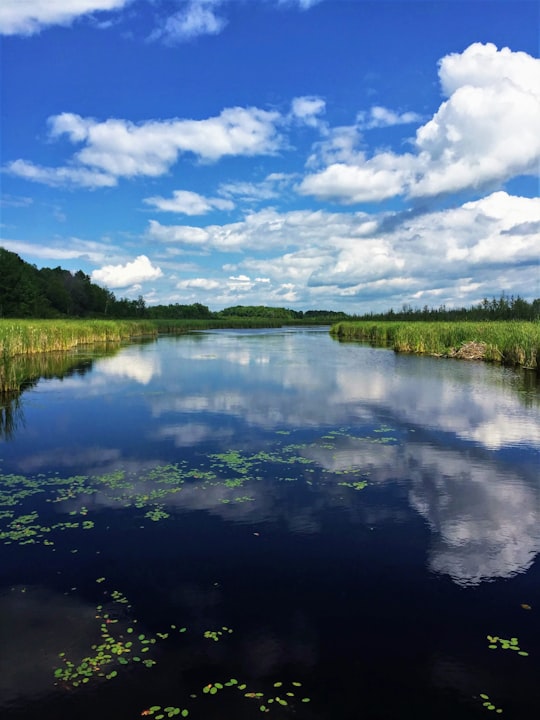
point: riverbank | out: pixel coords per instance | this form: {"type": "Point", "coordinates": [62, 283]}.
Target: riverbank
{"type": "Point", "coordinates": [33, 338]}
{"type": "Point", "coordinates": [18, 337]}
{"type": "Point", "coordinates": [511, 343]}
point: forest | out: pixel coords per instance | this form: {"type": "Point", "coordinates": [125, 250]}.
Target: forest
{"type": "Point", "coordinates": [29, 292]}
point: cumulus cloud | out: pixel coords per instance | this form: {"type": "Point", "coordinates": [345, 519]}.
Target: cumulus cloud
{"type": "Point", "coordinates": [28, 17]}
{"type": "Point", "coordinates": [121, 276]}
{"type": "Point", "coordinates": [469, 241]}
{"type": "Point", "coordinates": [485, 133]}
{"type": "Point", "coordinates": [189, 203]}
{"type": "Point", "coordinates": [366, 180]}
{"type": "Point", "coordinates": [118, 148]}
{"type": "Point", "coordinates": [480, 247]}
{"type": "Point", "coordinates": [266, 228]}
{"type": "Point", "coordinates": [197, 17]}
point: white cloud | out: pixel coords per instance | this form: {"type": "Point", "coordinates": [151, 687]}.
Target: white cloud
{"type": "Point", "coordinates": [189, 203]}
{"type": "Point", "coordinates": [355, 258]}
{"type": "Point", "coordinates": [340, 145]}
{"type": "Point", "coordinates": [180, 234]}
{"type": "Point", "coordinates": [380, 177]}
{"type": "Point", "coordinates": [27, 17]}
{"type": "Point", "coordinates": [265, 229]}
{"type": "Point", "coordinates": [121, 276]}
{"type": "Point", "coordinates": [81, 176]}
{"type": "Point", "coordinates": [307, 109]}
{"type": "Point", "coordinates": [485, 133]}
{"type": "Point", "coordinates": [72, 249]}
{"type": "Point", "coordinates": [197, 18]}
{"type": "Point", "coordinates": [383, 117]}
{"type": "Point", "coordinates": [198, 284]}
{"type": "Point", "coordinates": [120, 148]}
{"type": "Point", "coordinates": [269, 188]}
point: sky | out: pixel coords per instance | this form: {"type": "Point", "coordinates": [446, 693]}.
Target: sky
{"type": "Point", "coordinates": [310, 154]}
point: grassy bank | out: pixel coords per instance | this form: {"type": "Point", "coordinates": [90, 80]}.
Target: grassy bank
{"type": "Point", "coordinates": [33, 338]}
{"type": "Point", "coordinates": [24, 337]}
{"type": "Point", "coordinates": [513, 343]}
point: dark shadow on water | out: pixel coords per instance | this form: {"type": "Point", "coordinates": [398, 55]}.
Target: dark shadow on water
{"type": "Point", "coordinates": [25, 371]}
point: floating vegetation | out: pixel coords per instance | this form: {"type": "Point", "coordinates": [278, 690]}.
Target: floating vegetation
{"type": "Point", "coordinates": [26, 520]}
{"type": "Point", "coordinates": [167, 712]}
{"type": "Point", "coordinates": [505, 644]}
{"type": "Point", "coordinates": [216, 635]}
{"type": "Point", "coordinates": [488, 704]}
{"type": "Point", "coordinates": [157, 514]}
{"type": "Point", "coordinates": [119, 645]}
{"type": "Point", "coordinates": [282, 694]}
{"type": "Point", "coordinates": [358, 485]}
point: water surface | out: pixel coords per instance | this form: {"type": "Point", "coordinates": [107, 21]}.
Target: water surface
{"type": "Point", "coordinates": [335, 527]}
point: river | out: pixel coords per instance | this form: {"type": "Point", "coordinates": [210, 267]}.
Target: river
{"type": "Point", "coordinates": [232, 524]}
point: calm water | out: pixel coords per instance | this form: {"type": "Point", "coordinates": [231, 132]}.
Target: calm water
{"type": "Point", "coordinates": [240, 524]}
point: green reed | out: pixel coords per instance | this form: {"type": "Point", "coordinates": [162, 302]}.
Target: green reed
{"type": "Point", "coordinates": [514, 343]}
{"type": "Point", "coordinates": [21, 339]}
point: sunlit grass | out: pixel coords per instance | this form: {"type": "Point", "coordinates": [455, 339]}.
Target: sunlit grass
{"type": "Point", "coordinates": [21, 339]}
{"type": "Point", "coordinates": [510, 342]}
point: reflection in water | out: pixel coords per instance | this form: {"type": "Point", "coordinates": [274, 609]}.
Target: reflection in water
{"type": "Point", "coordinates": [11, 415]}
{"type": "Point", "coordinates": [330, 502]}
{"type": "Point", "coordinates": [485, 519]}
{"type": "Point", "coordinates": [37, 624]}
{"type": "Point", "coordinates": [133, 364]}
{"type": "Point", "coordinates": [28, 370]}
{"type": "Point", "coordinates": [219, 390]}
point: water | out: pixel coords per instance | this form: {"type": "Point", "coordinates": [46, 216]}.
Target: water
{"type": "Point", "coordinates": [227, 509]}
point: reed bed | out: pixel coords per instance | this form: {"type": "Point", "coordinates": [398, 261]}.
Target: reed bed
{"type": "Point", "coordinates": [513, 343]}
{"type": "Point", "coordinates": [21, 339]}
{"type": "Point", "coordinates": [25, 337]}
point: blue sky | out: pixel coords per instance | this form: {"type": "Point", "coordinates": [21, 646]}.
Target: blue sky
{"type": "Point", "coordinates": [334, 154]}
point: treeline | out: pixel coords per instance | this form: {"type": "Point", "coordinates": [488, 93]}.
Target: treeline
{"type": "Point", "coordinates": [504, 308]}
{"type": "Point", "coordinates": [26, 292]}
{"type": "Point", "coordinates": [49, 293]}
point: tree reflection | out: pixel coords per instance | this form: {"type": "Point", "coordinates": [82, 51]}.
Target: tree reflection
{"type": "Point", "coordinates": [30, 369]}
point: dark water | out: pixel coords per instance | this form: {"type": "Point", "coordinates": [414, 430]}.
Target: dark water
{"type": "Point", "coordinates": [232, 521]}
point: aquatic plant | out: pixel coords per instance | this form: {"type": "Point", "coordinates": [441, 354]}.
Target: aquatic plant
{"type": "Point", "coordinates": [119, 645]}
{"type": "Point", "coordinates": [505, 644]}
{"type": "Point", "coordinates": [358, 485]}
{"type": "Point", "coordinates": [514, 343]}
{"type": "Point", "coordinates": [216, 635]}
{"type": "Point", "coordinates": [23, 511]}
{"type": "Point", "coordinates": [282, 694]}
{"type": "Point", "coordinates": [170, 711]}
{"type": "Point", "coordinates": [488, 704]}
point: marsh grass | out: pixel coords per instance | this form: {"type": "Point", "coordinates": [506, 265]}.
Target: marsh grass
{"type": "Point", "coordinates": [22, 340]}
{"type": "Point", "coordinates": [513, 343]}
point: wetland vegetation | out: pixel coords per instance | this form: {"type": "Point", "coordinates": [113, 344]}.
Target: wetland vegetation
{"type": "Point", "coordinates": [509, 342]}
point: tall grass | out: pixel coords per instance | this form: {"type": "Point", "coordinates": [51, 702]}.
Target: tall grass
{"type": "Point", "coordinates": [510, 342]}
{"type": "Point", "coordinates": [22, 338]}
